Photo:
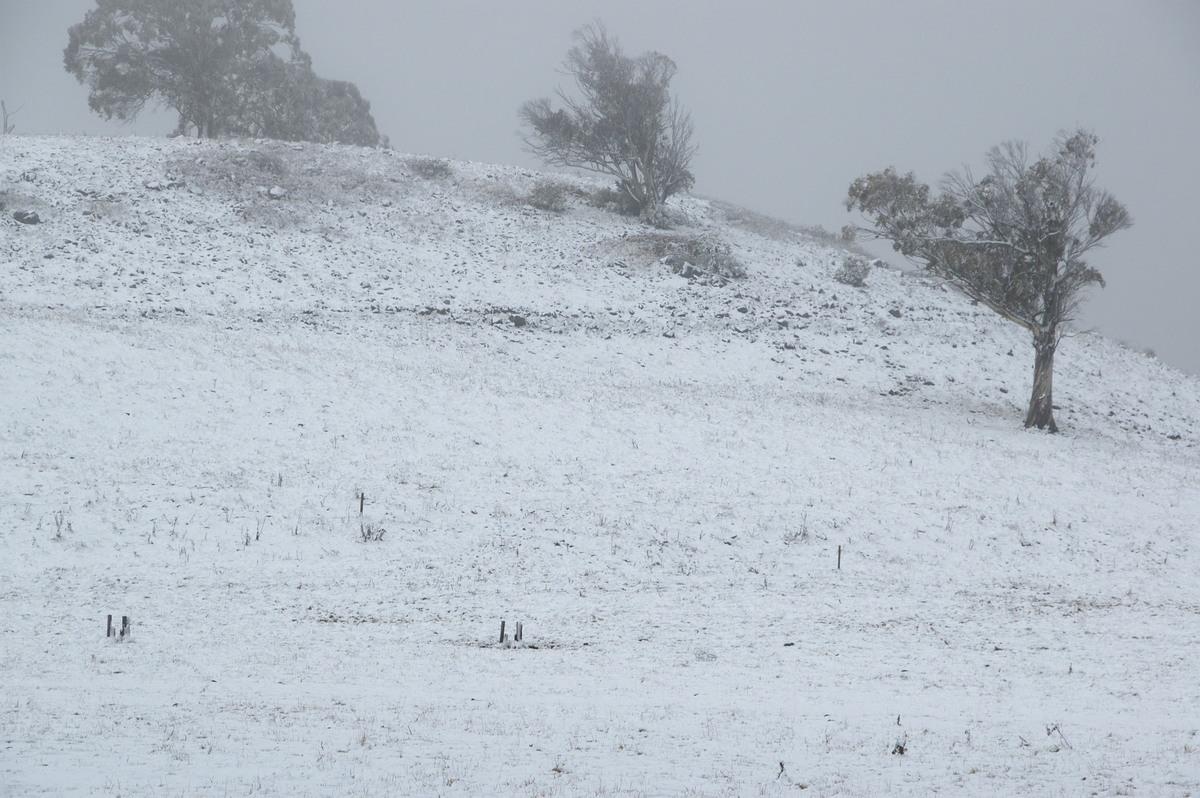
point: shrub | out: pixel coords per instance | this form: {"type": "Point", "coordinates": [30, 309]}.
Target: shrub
{"type": "Point", "coordinates": [431, 168]}
{"type": "Point", "coordinates": [547, 195]}
{"type": "Point", "coordinates": [370, 532]}
{"type": "Point", "coordinates": [237, 171]}
{"type": "Point", "coordinates": [853, 271]}
{"type": "Point", "coordinates": [705, 255]}
{"type": "Point", "coordinates": [609, 199]}
{"type": "Point", "coordinates": [264, 163]}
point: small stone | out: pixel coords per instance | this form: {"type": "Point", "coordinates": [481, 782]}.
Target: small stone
{"type": "Point", "coordinates": [27, 217]}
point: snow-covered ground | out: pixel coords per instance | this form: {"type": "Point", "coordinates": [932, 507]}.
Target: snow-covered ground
{"type": "Point", "coordinates": [203, 381]}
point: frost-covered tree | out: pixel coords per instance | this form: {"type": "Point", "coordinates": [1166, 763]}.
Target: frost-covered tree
{"type": "Point", "coordinates": [292, 103]}
{"type": "Point", "coordinates": [625, 123]}
{"type": "Point", "coordinates": [194, 56]}
{"type": "Point", "coordinates": [225, 66]}
{"type": "Point", "coordinates": [1014, 240]}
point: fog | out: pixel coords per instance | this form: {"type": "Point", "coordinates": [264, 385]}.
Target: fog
{"type": "Point", "coordinates": [791, 102]}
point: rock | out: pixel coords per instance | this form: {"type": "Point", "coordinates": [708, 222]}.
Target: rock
{"type": "Point", "coordinates": [276, 193]}
{"type": "Point", "coordinates": [518, 321]}
{"type": "Point", "coordinates": [27, 217]}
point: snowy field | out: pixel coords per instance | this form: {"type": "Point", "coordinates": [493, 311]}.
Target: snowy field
{"type": "Point", "coordinates": [777, 537]}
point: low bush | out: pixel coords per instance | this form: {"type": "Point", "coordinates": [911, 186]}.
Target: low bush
{"type": "Point", "coordinates": [704, 256]}
{"type": "Point", "coordinates": [548, 195]}
{"type": "Point", "coordinates": [431, 168]}
{"type": "Point", "coordinates": [853, 271]}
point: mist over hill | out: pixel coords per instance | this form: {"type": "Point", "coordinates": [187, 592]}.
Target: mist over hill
{"type": "Point", "coordinates": [318, 418]}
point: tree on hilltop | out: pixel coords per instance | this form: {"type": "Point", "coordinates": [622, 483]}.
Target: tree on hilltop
{"type": "Point", "coordinates": [217, 63]}
{"type": "Point", "coordinates": [1015, 240]}
{"type": "Point", "coordinates": [625, 123]}
{"type": "Point", "coordinates": [295, 104]}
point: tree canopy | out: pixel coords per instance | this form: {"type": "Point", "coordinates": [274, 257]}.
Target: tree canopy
{"type": "Point", "coordinates": [625, 122]}
{"type": "Point", "coordinates": [220, 64]}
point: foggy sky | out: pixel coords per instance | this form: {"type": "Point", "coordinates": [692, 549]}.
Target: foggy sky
{"type": "Point", "coordinates": [791, 101]}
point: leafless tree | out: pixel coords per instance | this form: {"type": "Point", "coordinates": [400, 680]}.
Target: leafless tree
{"type": "Point", "coordinates": [625, 123]}
{"type": "Point", "coordinates": [7, 114]}
{"type": "Point", "coordinates": [1014, 240]}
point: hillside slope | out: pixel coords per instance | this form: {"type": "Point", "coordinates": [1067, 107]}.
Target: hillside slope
{"type": "Point", "coordinates": [774, 521]}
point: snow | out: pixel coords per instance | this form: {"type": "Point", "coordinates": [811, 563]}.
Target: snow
{"type": "Point", "coordinates": [656, 476]}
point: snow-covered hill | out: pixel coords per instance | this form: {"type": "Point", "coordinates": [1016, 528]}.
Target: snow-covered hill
{"type": "Point", "coordinates": [215, 354]}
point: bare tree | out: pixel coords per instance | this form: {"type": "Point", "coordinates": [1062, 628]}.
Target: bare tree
{"type": "Point", "coordinates": [1014, 240]}
{"type": "Point", "coordinates": [7, 114]}
{"type": "Point", "coordinates": [625, 123]}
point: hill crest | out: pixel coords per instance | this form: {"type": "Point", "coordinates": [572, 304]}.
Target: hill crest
{"type": "Point", "coordinates": [253, 230]}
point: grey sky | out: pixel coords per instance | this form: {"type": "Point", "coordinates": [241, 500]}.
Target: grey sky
{"type": "Point", "coordinates": [791, 101]}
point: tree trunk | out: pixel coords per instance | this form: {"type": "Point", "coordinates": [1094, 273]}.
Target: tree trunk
{"type": "Point", "coordinates": [208, 129]}
{"type": "Point", "coordinates": [1041, 403]}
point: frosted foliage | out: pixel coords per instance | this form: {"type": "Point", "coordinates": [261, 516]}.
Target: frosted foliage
{"type": "Point", "coordinates": [853, 271]}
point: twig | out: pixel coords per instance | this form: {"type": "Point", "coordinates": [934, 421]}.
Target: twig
{"type": "Point", "coordinates": [1052, 729]}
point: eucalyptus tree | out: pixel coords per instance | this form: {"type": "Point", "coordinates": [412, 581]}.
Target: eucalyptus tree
{"type": "Point", "coordinates": [624, 123]}
{"type": "Point", "coordinates": [227, 67]}
{"type": "Point", "coordinates": [1014, 240]}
